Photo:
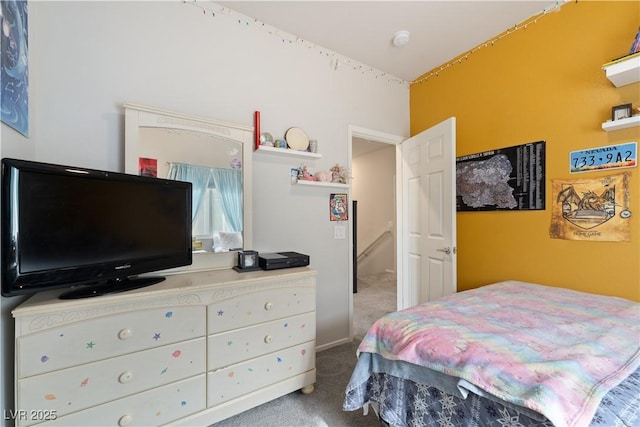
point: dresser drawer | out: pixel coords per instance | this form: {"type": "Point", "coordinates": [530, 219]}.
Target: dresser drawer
{"type": "Point", "coordinates": [151, 408]}
{"type": "Point", "coordinates": [233, 381]}
{"type": "Point", "coordinates": [259, 306]}
{"type": "Point", "coordinates": [104, 337]}
{"type": "Point", "coordinates": [83, 386]}
{"type": "Point", "coordinates": [236, 346]}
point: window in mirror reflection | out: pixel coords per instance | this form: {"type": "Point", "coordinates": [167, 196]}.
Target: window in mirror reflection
{"type": "Point", "coordinates": [217, 205]}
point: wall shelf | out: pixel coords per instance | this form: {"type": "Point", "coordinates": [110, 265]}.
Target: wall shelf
{"type": "Point", "coordinates": [621, 123]}
{"type": "Point", "coordinates": [321, 184]}
{"type": "Point", "coordinates": [307, 154]}
{"type": "Point", "coordinates": [287, 152]}
{"type": "Point", "coordinates": [623, 71]}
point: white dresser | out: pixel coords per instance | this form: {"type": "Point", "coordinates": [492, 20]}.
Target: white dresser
{"type": "Point", "coordinates": [192, 350]}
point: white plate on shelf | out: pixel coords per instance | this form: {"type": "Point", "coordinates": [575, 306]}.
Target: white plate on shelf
{"type": "Point", "coordinates": [297, 139]}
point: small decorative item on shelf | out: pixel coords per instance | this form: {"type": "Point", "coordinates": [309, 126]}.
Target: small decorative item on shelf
{"type": "Point", "coordinates": [256, 124]}
{"type": "Point", "coordinates": [635, 46]}
{"type": "Point", "coordinates": [313, 145]}
{"type": "Point", "coordinates": [247, 261]}
{"type": "Point", "coordinates": [621, 112]}
{"type": "Point", "coordinates": [323, 176]}
{"type": "Point", "coordinates": [266, 139]}
{"type": "Point", "coordinates": [303, 174]}
{"type": "Point", "coordinates": [297, 139]}
{"type": "Point", "coordinates": [280, 143]}
{"type": "Point", "coordinates": [294, 175]}
{"type": "Point", "coordinates": [339, 174]}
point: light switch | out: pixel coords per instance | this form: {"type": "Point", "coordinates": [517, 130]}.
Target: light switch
{"type": "Point", "coordinates": [340, 232]}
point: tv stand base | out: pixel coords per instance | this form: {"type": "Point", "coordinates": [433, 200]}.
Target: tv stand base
{"type": "Point", "coordinates": [110, 287]}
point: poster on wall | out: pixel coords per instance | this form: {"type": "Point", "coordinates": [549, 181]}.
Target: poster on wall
{"type": "Point", "coordinates": [511, 178]}
{"type": "Point", "coordinates": [595, 209]}
{"type": "Point", "coordinates": [338, 207]}
{"type": "Point", "coordinates": [14, 66]}
{"type": "Point", "coordinates": [148, 167]}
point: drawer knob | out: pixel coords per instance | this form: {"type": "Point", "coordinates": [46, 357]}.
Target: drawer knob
{"type": "Point", "coordinates": [125, 334]}
{"type": "Point", "coordinates": [268, 306]}
{"type": "Point", "coordinates": [125, 377]}
{"type": "Point", "coordinates": [268, 339]}
{"type": "Point", "coordinates": [125, 420]}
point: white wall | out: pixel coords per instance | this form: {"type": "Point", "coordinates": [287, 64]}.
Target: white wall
{"type": "Point", "coordinates": [88, 58]}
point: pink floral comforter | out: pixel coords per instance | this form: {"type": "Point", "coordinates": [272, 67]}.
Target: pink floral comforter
{"type": "Point", "coordinates": [552, 350]}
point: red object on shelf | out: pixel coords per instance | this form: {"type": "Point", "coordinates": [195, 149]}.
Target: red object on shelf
{"type": "Point", "coordinates": [256, 119]}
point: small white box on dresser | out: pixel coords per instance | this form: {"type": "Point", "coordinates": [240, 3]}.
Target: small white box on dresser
{"type": "Point", "coordinates": [194, 349]}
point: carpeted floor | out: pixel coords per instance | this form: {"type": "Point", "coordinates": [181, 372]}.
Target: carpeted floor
{"type": "Point", "coordinates": [376, 296]}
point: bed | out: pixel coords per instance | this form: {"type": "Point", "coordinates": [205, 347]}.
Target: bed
{"type": "Point", "coordinates": [505, 354]}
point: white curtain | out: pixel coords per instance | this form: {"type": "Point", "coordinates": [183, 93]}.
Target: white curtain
{"type": "Point", "coordinates": [227, 182]}
{"type": "Point", "coordinates": [198, 176]}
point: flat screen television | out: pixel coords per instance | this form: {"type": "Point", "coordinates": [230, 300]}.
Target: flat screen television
{"type": "Point", "coordinates": [94, 231]}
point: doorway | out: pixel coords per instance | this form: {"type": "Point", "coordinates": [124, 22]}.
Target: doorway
{"type": "Point", "coordinates": [425, 234]}
{"type": "Point", "coordinates": [374, 243]}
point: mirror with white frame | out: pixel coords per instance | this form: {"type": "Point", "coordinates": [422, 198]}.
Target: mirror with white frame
{"type": "Point", "coordinates": [213, 155]}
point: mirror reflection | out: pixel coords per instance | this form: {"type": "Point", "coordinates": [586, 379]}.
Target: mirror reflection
{"type": "Point", "coordinates": [213, 165]}
{"type": "Point", "coordinates": [216, 154]}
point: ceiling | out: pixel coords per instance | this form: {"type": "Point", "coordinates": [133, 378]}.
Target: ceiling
{"type": "Point", "coordinates": [363, 30]}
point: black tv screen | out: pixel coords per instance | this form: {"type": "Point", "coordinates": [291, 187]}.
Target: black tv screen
{"type": "Point", "coordinates": [65, 226]}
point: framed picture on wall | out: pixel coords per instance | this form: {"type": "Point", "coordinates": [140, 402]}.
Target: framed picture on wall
{"type": "Point", "coordinates": [621, 112]}
{"type": "Point", "coordinates": [148, 167]}
{"type": "Point", "coordinates": [338, 207]}
{"type": "Point", "coordinates": [512, 179]}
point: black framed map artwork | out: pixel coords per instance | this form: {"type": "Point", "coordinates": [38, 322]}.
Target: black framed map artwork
{"type": "Point", "coordinates": [510, 179]}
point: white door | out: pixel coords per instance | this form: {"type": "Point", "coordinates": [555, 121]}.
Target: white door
{"type": "Point", "coordinates": [427, 215]}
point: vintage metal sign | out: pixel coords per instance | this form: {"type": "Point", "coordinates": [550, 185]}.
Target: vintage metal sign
{"type": "Point", "coordinates": [609, 157]}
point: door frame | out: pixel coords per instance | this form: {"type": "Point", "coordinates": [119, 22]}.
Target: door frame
{"type": "Point", "coordinates": [387, 138]}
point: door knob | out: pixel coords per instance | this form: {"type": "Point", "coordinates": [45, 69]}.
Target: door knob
{"type": "Point", "coordinates": [446, 250]}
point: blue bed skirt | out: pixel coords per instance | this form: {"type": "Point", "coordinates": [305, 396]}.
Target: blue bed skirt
{"type": "Point", "coordinates": [401, 400]}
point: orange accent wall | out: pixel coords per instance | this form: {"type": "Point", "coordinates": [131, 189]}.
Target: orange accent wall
{"type": "Point", "coordinates": [542, 82]}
